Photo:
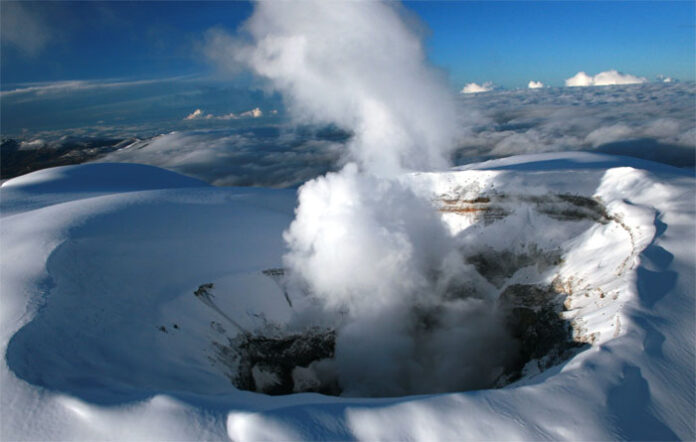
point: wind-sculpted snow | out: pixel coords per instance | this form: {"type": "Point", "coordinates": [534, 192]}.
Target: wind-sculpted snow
{"type": "Point", "coordinates": [103, 177]}
{"type": "Point", "coordinates": [104, 338]}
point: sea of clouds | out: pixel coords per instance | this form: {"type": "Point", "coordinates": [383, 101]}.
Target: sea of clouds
{"type": "Point", "coordinates": [266, 156]}
{"type": "Point", "coordinates": [653, 121]}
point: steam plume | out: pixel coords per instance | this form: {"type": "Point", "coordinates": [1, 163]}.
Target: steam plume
{"type": "Point", "coordinates": [374, 255]}
{"type": "Point", "coordinates": [358, 65]}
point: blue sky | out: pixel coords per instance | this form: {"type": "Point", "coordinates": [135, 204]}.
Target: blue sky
{"type": "Point", "coordinates": [508, 43]}
{"type": "Point", "coordinates": [98, 40]}
{"type": "Point", "coordinates": [160, 43]}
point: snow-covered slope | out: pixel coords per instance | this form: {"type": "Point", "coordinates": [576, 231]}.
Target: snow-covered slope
{"type": "Point", "coordinates": [103, 337]}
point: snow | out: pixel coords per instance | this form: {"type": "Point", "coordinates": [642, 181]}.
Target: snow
{"type": "Point", "coordinates": [97, 258]}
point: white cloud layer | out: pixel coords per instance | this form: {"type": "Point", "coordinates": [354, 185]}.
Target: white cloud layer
{"type": "Point", "coordinates": [194, 115]}
{"type": "Point", "coordinates": [246, 157]}
{"type": "Point", "coordinates": [606, 78]}
{"type": "Point", "coordinates": [474, 88]}
{"type": "Point", "coordinates": [198, 114]}
{"type": "Point", "coordinates": [71, 86]}
{"type": "Point", "coordinates": [652, 120]}
{"type": "Point", "coordinates": [609, 134]}
{"type": "Point", "coordinates": [254, 113]}
{"type": "Point", "coordinates": [664, 78]}
{"type": "Point", "coordinates": [535, 84]}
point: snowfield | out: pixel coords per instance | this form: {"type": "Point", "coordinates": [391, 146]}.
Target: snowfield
{"type": "Point", "coordinates": [104, 339]}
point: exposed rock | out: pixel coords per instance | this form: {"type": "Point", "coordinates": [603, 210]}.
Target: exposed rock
{"type": "Point", "coordinates": [532, 316]}
{"type": "Point", "coordinates": [498, 266]}
{"type": "Point", "coordinates": [266, 363]}
{"type": "Point", "coordinates": [563, 207]}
